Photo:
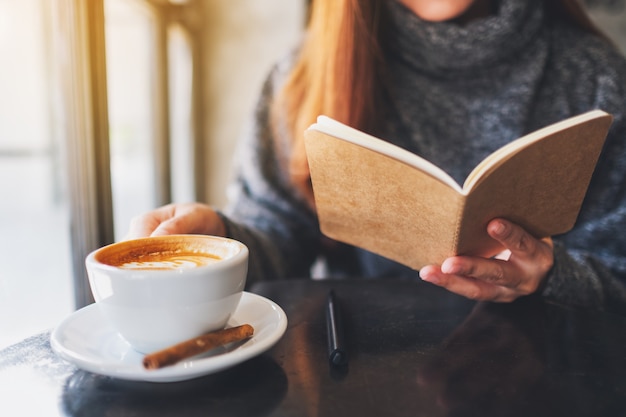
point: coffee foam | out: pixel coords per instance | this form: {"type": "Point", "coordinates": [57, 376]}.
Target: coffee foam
{"type": "Point", "coordinates": [171, 261]}
{"type": "Point", "coordinates": [165, 253]}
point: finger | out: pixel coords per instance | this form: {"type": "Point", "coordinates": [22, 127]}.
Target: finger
{"type": "Point", "coordinates": [466, 286]}
{"type": "Point", "coordinates": [145, 224]}
{"type": "Point", "coordinates": [530, 256]}
{"type": "Point", "coordinates": [490, 271]}
{"type": "Point", "coordinates": [174, 226]}
{"type": "Point", "coordinates": [141, 226]}
{"type": "Point", "coordinates": [515, 276]}
{"type": "Point", "coordinates": [513, 237]}
{"type": "Point", "coordinates": [191, 218]}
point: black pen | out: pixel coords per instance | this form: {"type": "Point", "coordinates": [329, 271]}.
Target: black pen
{"type": "Point", "coordinates": [337, 355]}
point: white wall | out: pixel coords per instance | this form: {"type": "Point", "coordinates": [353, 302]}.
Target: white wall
{"type": "Point", "coordinates": [243, 39]}
{"type": "Point", "coordinates": [612, 20]}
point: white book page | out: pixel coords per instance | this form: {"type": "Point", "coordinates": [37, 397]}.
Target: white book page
{"type": "Point", "coordinates": [497, 157]}
{"type": "Point", "coordinates": [339, 130]}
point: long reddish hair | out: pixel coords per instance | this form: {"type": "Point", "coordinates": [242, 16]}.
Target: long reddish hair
{"type": "Point", "coordinates": [339, 70]}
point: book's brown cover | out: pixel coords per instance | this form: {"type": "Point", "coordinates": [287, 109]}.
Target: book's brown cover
{"type": "Point", "coordinates": [386, 206]}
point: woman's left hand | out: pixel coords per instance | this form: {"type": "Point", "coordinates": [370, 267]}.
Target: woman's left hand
{"type": "Point", "coordinates": [518, 271]}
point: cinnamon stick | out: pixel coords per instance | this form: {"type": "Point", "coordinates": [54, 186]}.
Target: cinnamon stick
{"type": "Point", "coordinates": [197, 345]}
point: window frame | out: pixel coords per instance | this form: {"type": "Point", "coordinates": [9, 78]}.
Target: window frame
{"type": "Point", "coordinates": [79, 42]}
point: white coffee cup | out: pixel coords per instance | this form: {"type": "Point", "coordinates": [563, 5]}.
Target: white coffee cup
{"type": "Point", "coordinates": [159, 291]}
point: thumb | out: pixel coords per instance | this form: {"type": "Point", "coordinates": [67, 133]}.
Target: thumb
{"type": "Point", "coordinates": [511, 236]}
{"type": "Point", "coordinates": [174, 226]}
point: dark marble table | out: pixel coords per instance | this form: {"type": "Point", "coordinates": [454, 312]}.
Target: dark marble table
{"type": "Point", "coordinates": [415, 350]}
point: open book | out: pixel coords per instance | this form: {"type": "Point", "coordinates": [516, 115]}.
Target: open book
{"type": "Point", "coordinates": [377, 196]}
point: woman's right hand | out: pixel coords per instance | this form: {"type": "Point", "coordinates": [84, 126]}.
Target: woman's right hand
{"type": "Point", "coordinates": [183, 218]}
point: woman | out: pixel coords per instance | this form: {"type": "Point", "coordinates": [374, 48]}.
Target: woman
{"type": "Point", "coordinates": [452, 80]}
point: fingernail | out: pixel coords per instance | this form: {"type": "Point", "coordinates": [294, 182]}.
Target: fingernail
{"type": "Point", "coordinates": [499, 228]}
{"type": "Point", "coordinates": [450, 266]}
{"type": "Point", "coordinates": [425, 276]}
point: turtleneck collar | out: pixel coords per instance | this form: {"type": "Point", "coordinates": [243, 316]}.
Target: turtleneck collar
{"type": "Point", "coordinates": [448, 46]}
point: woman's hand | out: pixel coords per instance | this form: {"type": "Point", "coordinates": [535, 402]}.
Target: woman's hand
{"type": "Point", "coordinates": [188, 218]}
{"type": "Point", "coordinates": [520, 270]}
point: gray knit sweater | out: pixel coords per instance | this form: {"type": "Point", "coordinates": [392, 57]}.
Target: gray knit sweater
{"type": "Point", "coordinates": [456, 94]}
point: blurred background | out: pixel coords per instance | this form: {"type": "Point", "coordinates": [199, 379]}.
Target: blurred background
{"type": "Point", "coordinates": [145, 98]}
{"type": "Point", "coordinates": [109, 108]}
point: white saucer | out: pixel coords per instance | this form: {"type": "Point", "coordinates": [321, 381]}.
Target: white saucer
{"type": "Point", "coordinates": [88, 340]}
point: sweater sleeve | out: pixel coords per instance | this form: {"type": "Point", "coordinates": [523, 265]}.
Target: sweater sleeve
{"type": "Point", "coordinates": [264, 210]}
{"type": "Point", "coordinates": [590, 260]}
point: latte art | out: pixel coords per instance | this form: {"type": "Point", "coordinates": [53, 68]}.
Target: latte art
{"type": "Point", "coordinates": [168, 253]}
{"type": "Point", "coordinates": [169, 261]}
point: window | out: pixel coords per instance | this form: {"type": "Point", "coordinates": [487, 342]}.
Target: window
{"type": "Point", "coordinates": [149, 84]}
{"type": "Point", "coordinates": [103, 115]}
{"type": "Point", "coordinates": [129, 29]}
{"type": "Point", "coordinates": [34, 208]}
